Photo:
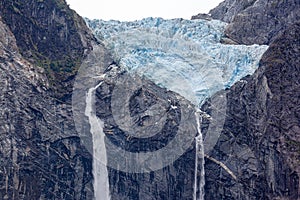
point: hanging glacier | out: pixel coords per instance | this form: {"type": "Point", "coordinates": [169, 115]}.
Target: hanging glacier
{"type": "Point", "coordinates": [185, 56]}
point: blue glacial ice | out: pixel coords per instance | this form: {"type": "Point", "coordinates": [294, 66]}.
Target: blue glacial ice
{"type": "Point", "coordinates": [184, 56]}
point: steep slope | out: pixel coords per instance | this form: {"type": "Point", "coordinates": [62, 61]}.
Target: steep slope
{"type": "Point", "coordinates": [260, 139]}
{"type": "Point", "coordinates": [256, 21]}
{"type": "Point", "coordinates": [51, 35]}
{"type": "Point", "coordinates": [227, 10]}
{"type": "Point", "coordinates": [41, 156]}
{"type": "Point", "coordinates": [41, 153]}
{"type": "Point", "coordinates": [45, 154]}
{"type": "Point", "coordinates": [146, 109]}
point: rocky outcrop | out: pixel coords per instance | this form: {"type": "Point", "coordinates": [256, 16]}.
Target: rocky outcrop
{"type": "Point", "coordinates": [260, 139]}
{"type": "Point", "coordinates": [202, 16]}
{"type": "Point", "coordinates": [227, 10]}
{"type": "Point", "coordinates": [256, 21]}
{"type": "Point", "coordinates": [41, 153]}
{"type": "Point", "coordinates": [42, 156]}
{"type": "Point", "coordinates": [47, 31]}
{"type": "Point", "coordinates": [50, 35]}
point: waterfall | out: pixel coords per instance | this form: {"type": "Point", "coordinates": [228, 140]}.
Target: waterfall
{"type": "Point", "coordinates": [101, 181]}
{"type": "Point", "coordinates": [199, 156]}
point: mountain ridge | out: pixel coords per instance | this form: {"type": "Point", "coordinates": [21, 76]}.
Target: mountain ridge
{"type": "Point", "coordinates": [256, 21]}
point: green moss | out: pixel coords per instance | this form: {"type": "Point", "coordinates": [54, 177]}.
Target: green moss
{"type": "Point", "coordinates": [54, 46]}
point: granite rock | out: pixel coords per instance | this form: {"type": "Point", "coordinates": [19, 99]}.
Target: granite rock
{"type": "Point", "coordinates": [260, 139]}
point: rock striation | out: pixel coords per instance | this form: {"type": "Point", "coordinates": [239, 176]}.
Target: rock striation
{"type": "Point", "coordinates": [260, 139]}
{"type": "Point", "coordinates": [256, 21]}
{"type": "Point", "coordinates": [41, 153]}
{"type": "Point", "coordinates": [50, 35]}
{"type": "Point", "coordinates": [45, 154]}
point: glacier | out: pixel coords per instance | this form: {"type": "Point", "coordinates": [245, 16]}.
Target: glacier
{"type": "Point", "coordinates": [184, 56]}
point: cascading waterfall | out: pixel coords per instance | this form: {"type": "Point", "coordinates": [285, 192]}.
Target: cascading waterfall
{"type": "Point", "coordinates": [185, 56]}
{"type": "Point", "coordinates": [199, 157]}
{"type": "Point", "coordinates": [101, 181]}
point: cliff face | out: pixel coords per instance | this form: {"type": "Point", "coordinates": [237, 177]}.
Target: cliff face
{"type": "Point", "coordinates": [260, 139]}
{"type": "Point", "coordinates": [41, 153]}
{"type": "Point", "coordinates": [174, 181]}
{"type": "Point", "coordinates": [227, 10]}
{"type": "Point", "coordinates": [256, 21]}
{"type": "Point", "coordinates": [44, 156]}
{"type": "Point", "coordinates": [50, 35]}
{"type": "Point", "coordinates": [47, 31]}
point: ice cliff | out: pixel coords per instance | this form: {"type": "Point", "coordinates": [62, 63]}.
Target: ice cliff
{"type": "Point", "coordinates": [185, 56]}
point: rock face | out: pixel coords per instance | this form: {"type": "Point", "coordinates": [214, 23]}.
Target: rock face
{"type": "Point", "coordinates": [256, 21]}
{"type": "Point", "coordinates": [46, 31]}
{"type": "Point", "coordinates": [50, 35]}
{"type": "Point", "coordinates": [44, 156]}
{"type": "Point", "coordinates": [174, 181]}
{"type": "Point", "coordinates": [260, 139]}
{"type": "Point", "coordinates": [227, 10]}
{"type": "Point", "coordinates": [41, 154]}
{"type": "Point", "coordinates": [202, 16]}
{"type": "Point", "coordinates": [163, 115]}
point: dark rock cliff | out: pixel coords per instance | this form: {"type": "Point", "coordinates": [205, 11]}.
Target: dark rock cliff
{"type": "Point", "coordinates": [149, 109]}
{"type": "Point", "coordinates": [41, 155]}
{"type": "Point", "coordinates": [51, 35]}
{"type": "Point", "coordinates": [47, 31]}
{"type": "Point", "coordinates": [227, 10]}
{"type": "Point", "coordinates": [174, 181]}
{"type": "Point", "coordinates": [260, 140]}
{"type": "Point", "coordinates": [256, 21]}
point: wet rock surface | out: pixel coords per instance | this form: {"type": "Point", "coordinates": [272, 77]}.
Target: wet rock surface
{"type": "Point", "coordinates": [50, 35]}
{"type": "Point", "coordinates": [41, 154]}
{"type": "Point", "coordinates": [44, 156]}
{"type": "Point", "coordinates": [172, 182]}
{"type": "Point", "coordinates": [260, 138]}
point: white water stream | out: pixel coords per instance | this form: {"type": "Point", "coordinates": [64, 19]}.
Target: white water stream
{"type": "Point", "coordinates": [101, 181]}
{"type": "Point", "coordinates": [199, 158]}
